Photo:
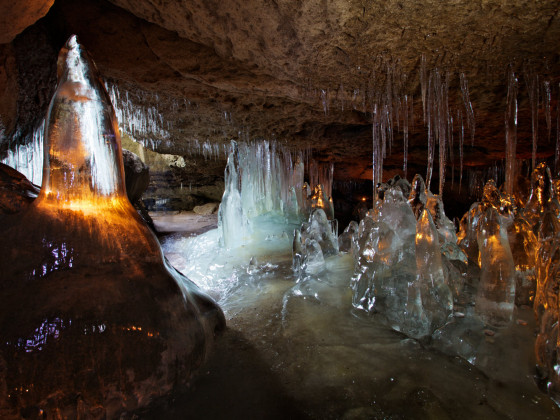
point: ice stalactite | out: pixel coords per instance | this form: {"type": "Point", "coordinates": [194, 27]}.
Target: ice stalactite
{"type": "Point", "coordinates": [511, 132]}
{"type": "Point", "coordinates": [461, 146]}
{"type": "Point", "coordinates": [546, 104]}
{"type": "Point", "coordinates": [532, 82]}
{"type": "Point", "coordinates": [469, 112]}
{"type": "Point", "coordinates": [443, 129]}
{"type": "Point", "coordinates": [260, 179]}
{"type": "Point", "coordinates": [325, 101]}
{"type": "Point", "coordinates": [424, 86]}
{"type": "Point", "coordinates": [405, 135]}
{"type": "Point", "coordinates": [377, 158]}
{"type": "Point", "coordinates": [388, 105]}
{"type": "Point", "coordinates": [28, 158]}
{"type": "Point", "coordinates": [146, 124]}
{"type": "Point", "coordinates": [321, 173]}
{"type": "Point", "coordinates": [451, 148]}
{"type": "Point", "coordinates": [431, 140]}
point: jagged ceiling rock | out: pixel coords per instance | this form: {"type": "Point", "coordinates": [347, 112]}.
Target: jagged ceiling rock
{"type": "Point", "coordinates": [307, 73]}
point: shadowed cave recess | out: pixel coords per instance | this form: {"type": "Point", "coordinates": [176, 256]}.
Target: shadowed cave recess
{"type": "Point", "coordinates": [367, 190]}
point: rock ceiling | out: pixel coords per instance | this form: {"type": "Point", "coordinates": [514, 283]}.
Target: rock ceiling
{"type": "Point", "coordinates": [302, 72]}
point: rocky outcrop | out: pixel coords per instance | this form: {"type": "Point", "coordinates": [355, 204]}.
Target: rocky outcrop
{"type": "Point", "coordinates": [207, 209]}
{"type": "Point", "coordinates": [16, 192]}
{"type": "Point", "coordinates": [136, 175]}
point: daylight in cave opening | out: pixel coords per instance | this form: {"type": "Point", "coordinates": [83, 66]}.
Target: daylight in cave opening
{"type": "Point", "coordinates": [279, 210]}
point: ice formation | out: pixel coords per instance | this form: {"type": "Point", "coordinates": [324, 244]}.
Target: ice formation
{"type": "Point", "coordinates": [260, 180]}
{"type": "Point", "coordinates": [398, 265]}
{"type": "Point", "coordinates": [496, 290]}
{"type": "Point", "coordinates": [86, 279]}
{"type": "Point", "coordinates": [316, 240]}
{"type": "Point", "coordinates": [430, 301]}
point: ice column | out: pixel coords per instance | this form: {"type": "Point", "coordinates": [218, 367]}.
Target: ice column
{"type": "Point", "coordinates": [496, 291]}
{"type": "Point", "coordinates": [85, 162]}
{"type": "Point", "coordinates": [232, 221]}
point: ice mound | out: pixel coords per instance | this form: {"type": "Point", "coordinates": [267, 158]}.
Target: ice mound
{"type": "Point", "coordinates": [93, 320]}
{"type": "Point", "coordinates": [401, 272]}
{"type": "Point", "coordinates": [316, 240]}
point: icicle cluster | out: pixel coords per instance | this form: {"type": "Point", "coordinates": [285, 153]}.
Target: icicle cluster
{"type": "Point", "coordinates": [260, 178]}
{"type": "Point", "coordinates": [146, 124]}
{"type": "Point", "coordinates": [28, 158]}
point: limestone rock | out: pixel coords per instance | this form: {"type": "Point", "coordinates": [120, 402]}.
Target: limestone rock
{"type": "Point", "coordinates": [136, 175]}
{"type": "Point", "coordinates": [207, 209]}
{"type": "Point", "coordinates": [16, 192]}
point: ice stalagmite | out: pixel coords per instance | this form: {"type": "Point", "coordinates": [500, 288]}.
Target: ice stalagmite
{"type": "Point", "coordinates": [430, 301]}
{"type": "Point", "coordinates": [496, 291]}
{"type": "Point", "coordinates": [103, 326]}
{"type": "Point", "coordinates": [383, 250]}
{"type": "Point", "coordinates": [546, 305]}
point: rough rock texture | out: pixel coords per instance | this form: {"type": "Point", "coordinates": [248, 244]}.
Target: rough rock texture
{"type": "Point", "coordinates": [16, 192]}
{"type": "Point", "coordinates": [305, 73]}
{"type": "Point", "coordinates": [15, 16]}
{"type": "Point", "coordinates": [207, 209]}
{"type": "Point", "coordinates": [136, 175]}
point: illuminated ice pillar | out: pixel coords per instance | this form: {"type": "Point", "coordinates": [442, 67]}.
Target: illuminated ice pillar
{"type": "Point", "coordinates": [82, 146]}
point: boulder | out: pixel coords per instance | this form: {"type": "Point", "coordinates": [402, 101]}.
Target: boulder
{"type": "Point", "coordinates": [207, 209]}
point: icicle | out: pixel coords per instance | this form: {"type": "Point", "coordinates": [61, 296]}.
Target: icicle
{"type": "Point", "coordinates": [532, 81]}
{"type": "Point", "coordinates": [468, 105]}
{"type": "Point", "coordinates": [461, 143]}
{"type": "Point", "coordinates": [377, 152]}
{"type": "Point", "coordinates": [431, 148]}
{"type": "Point", "coordinates": [546, 105]}
{"type": "Point", "coordinates": [411, 115]}
{"type": "Point", "coordinates": [405, 136]}
{"type": "Point", "coordinates": [443, 117]}
{"type": "Point", "coordinates": [423, 85]}
{"type": "Point", "coordinates": [325, 101]}
{"type": "Point", "coordinates": [389, 106]}
{"type": "Point", "coordinates": [451, 146]}
{"type": "Point", "coordinates": [511, 131]}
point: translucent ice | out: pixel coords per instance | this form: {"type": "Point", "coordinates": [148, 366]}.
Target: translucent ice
{"type": "Point", "coordinates": [496, 290]}
{"type": "Point", "coordinates": [430, 301]}
{"type": "Point", "coordinates": [546, 304]}
{"type": "Point", "coordinates": [232, 221]}
{"type": "Point", "coordinates": [445, 227]}
{"type": "Point", "coordinates": [541, 197]}
{"type": "Point", "coordinates": [345, 240]}
{"type": "Point", "coordinates": [316, 240]}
